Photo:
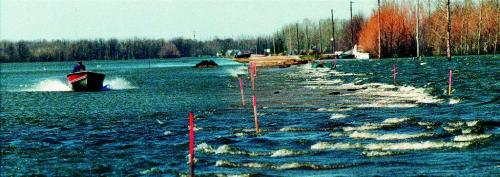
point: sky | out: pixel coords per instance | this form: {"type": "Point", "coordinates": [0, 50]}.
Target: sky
{"type": "Point", "coordinates": [167, 19]}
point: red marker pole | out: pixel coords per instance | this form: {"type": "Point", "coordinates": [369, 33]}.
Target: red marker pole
{"type": "Point", "coordinates": [450, 80]}
{"type": "Point", "coordinates": [242, 92]}
{"type": "Point", "coordinates": [253, 68]}
{"type": "Point", "coordinates": [191, 143]}
{"type": "Point", "coordinates": [255, 114]}
{"type": "Point", "coordinates": [394, 74]}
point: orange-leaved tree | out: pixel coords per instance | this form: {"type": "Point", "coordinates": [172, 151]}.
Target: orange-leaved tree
{"type": "Point", "coordinates": [397, 32]}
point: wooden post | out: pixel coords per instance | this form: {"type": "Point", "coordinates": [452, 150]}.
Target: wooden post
{"type": "Point", "coordinates": [242, 92]}
{"type": "Point", "coordinates": [256, 120]}
{"type": "Point", "coordinates": [191, 143]}
{"type": "Point", "coordinates": [379, 33]}
{"type": "Point", "coordinates": [448, 33]}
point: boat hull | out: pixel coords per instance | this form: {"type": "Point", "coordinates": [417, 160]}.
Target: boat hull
{"type": "Point", "coordinates": [86, 81]}
{"type": "Point", "coordinates": [244, 55]}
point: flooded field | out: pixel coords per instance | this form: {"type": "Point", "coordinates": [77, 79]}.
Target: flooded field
{"type": "Point", "coordinates": [348, 121]}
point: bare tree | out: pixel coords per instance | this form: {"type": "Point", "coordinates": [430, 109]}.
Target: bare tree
{"type": "Point", "coordinates": [480, 27]}
{"type": "Point", "coordinates": [448, 33]}
{"type": "Point", "coordinates": [379, 33]}
{"type": "Point", "coordinates": [496, 34]}
{"type": "Point", "coordinates": [417, 28]}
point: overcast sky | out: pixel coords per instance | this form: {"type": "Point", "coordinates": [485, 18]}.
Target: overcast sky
{"type": "Point", "coordinates": [90, 19]}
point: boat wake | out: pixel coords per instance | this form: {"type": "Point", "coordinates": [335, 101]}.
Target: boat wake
{"type": "Point", "coordinates": [58, 85]}
{"type": "Point", "coordinates": [236, 72]}
{"type": "Point", "coordinates": [118, 83]}
{"type": "Point", "coordinates": [48, 85]}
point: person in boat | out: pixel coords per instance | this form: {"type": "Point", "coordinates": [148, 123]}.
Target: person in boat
{"type": "Point", "coordinates": [79, 67]}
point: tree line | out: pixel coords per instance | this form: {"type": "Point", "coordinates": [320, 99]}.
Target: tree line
{"type": "Point", "coordinates": [111, 49]}
{"type": "Point", "coordinates": [474, 30]}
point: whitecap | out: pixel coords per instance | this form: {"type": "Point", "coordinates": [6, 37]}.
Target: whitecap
{"type": "Point", "coordinates": [195, 160]}
{"type": "Point", "coordinates": [390, 136]}
{"type": "Point", "coordinates": [333, 146]}
{"type": "Point", "coordinates": [336, 134]}
{"type": "Point", "coordinates": [285, 152]}
{"type": "Point", "coordinates": [379, 153]}
{"type": "Point", "coordinates": [325, 110]}
{"type": "Point", "coordinates": [166, 133]}
{"type": "Point", "coordinates": [415, 145]}
{"type": "Point", "coordinates": [456, 124]}
{"type": "Point", "coordinates": [463, 138]}
{"type": "Point", "coordinates": [225, 163]}
{"type": "Point", "coordinates": [454, 101]}
{"type": "Point", "coordinates": [366, 126]}
{"type": "Point", "coordinates": [291, 129]}
{"type": "Point", "coordinates": [427, 124]}
{"type": "Point", "coordinates": [395, 120]}
{"type": "Point", "coordinates": [226, 149]}
{"type": "Point", "coordinates": [338, 116]}
{"type": "Point", "coordinates": [154, 170]}
{"type": "Point", "coordinates": [363, 135]}
{"type": "Point", "coordinates": [390, 95]}
{"type": "Point", "coordinates": [204, 147]}
{"type": "Point", "coordinates": [471, 123]}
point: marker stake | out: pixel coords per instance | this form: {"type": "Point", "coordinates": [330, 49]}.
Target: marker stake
{"type": "Point", "coordinates": [191, 143]}
{"type": "Point", "coordinates": [253, 73]}
{"type": "Point", "coordinates": [242, 92]}
{"type": "Point", "coordinates": [255, 114]}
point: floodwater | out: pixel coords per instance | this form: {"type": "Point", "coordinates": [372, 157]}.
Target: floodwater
{"type": "Point", "coordinates": [348, 121]}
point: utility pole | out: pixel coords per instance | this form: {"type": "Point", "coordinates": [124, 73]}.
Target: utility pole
{"type": "Point", "coordinates": [448, 33]}
{"type": "Point", "coordinates": [284, 42]}
{"type": "Point", "coordinates": [274, 43]}
{"type": "Point", "coordinates": [352, 28]}
{"type": "Point", "coordinates": [257, 46]}
{"type": "Point", "coordinates": [480, 28]}
{"type": "Point", "coordinates": [417, 28]}
{"type": "Point", "coordinates": [379, 33]}
{"type": "Point", "coordinates": [333, 34]}
{"type": "Point", "coordinates": [320, 45]}
{"type": "Point", "coordinates": [298, 40]}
